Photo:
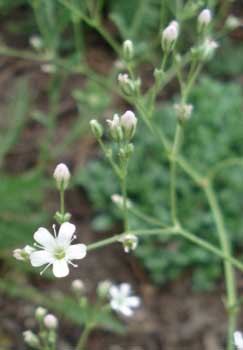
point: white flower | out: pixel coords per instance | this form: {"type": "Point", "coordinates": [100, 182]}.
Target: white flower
{"type": "Point", "coordinates": [103, 288]}
{"type": "Point", "coordinates": [183, 111]}
{"type": "Point", "coordinates": [50, 321]}
{"type": "Point", "coordinates": [121, 299]}
{"type": "Point", "coordinates": [118, 200]}
{"type": "Point", "coordinates": [36, 42]}
{"type": "Point", "coordinates": [57, 250]}
{"type": "Point", "coordinates": [129, 242]}
{"type": "Point", "coordinates": [48, 68]}
{"type": "Point", "coordinates": [238, 340]}
{"type": "Point", "coordinates": [123, 78]}
{"type": "Point", "coordinates": [208, 48]}
{"type": "Point", "coordinates": [62, 175]}
{"type": "Point", "coordinates": [204, 17]}
{"type": "Point", "coordinates": [23, 254]}
{"type": "Point", "coordinates": [31, 338]}
{"type": "Point", "coordinates": [115, 127]}
{"type": "Point", "coordinates": [40, 312]}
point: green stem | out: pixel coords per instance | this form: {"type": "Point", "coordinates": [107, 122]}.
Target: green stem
{"type": "Point", "coordinates": [174, 153]}
{"type": "Point", "coordinates": [124, 201]}
{"type": "Point", "coordinates": [231, 288]}
{"type": "Point", "coordinates": [84, 336]}
{"type": "Point", "coordinates": [62, 203]}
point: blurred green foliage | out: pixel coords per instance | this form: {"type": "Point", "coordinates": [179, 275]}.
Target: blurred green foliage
{"type": "Point", "coordinates": [214, 134]}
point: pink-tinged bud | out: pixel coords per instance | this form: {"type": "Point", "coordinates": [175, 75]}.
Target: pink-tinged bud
{"type": "Point", "coordinates": [129, 123]}
{"type": "Point", "coordinates": [204, 18]}
{"type": "Point", "coordinates": [170, 35]}
{"type": "Point", "coordinates": [62, 176]}
{"type": "Point", "coordinates": [50, 321]}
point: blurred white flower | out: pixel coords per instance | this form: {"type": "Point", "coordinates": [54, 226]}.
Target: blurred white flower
{"type": "Point", "coordinates": [50, 321]}
{"type": "Point", "coordinates": [77, 285]}
{"type": "Point", "coordinates": [208, 48]}
{"type": "Point", "coordinates": [118, 200]}
{"type": "Point", "coordinates": [48, 68]}
{"type": "Point", "coordinates": [129, 242]}
{"type": "Point", "coordinates": [121, 299]}
{"type": "Point", "coordinates": [31, 339]}
{"type": "Point", "coordinates": [238, 340]}
{"type": "Point", "coordinates": [128, 49]}
{"type": "Point", "coordinates": [57, 250]}
{"type": "Point", "coordinates": [36, 42]}
{"type": "Point", "coordinates": [204, 17]}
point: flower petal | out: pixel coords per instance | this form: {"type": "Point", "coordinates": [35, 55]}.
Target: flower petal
{"type": "Point", "coordinates": [133, 301]}
{"type": "Point", "coordinates": [114, 292]}
{"type": "Point", "coordinates": [40, 257]}
{"type": "Point", "coordinates": [65, 233]}
{"type": "Point", "coordinates": [76, 251]}
{"type": "Point", "coordinates": [60, 268]}
{"type": "Point", "coordinates": [125, 310]}
{"type": "Point", "coordinates": [125, 289]}
{"type": "Point", "coordinates": [45, 238]}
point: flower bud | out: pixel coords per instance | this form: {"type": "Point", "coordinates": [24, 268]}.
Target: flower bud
{"type": "Point", "coordinates": [24, 253]}
{"type": "Point", "coordinates": [36, 42]}
{"type": "Point", "coordinates": [62, 176]}
{"type": "Point", "coordinates": [77, 286]}
{"type": "Point", "coordinates": [208, 48]}
{"type": "Point", "coordinates": [232, 23]}
{"type": "Point", "coordinates": [40, 312]}
{"type": "Point", "coordinates": [183, 112]}
{"type": "Point", "coordinates": [31, 339]}
{"type": "Point", "coordinates": [50, 321]}
{"type": "Point", "coordinates": [96, 128]}
{"type": "Point", "coordinates": [129, 123]}
{"type": "Point", "coordinates": [204, 19]}
{"type": "Point", "coordinates": [129, 242]}
{"type": "Point", "coordinates": [128, 86]}
{"type": "Point", "coordinates": [128, 50]}
{"type": "Point", "coordinates": [115, 128]}
{"type": "Point", "coordinates": [103, 288]}
{"type": "Point", "coordinates": [118, 200]}
{"type": "Point", "coordinates": [169, 36]}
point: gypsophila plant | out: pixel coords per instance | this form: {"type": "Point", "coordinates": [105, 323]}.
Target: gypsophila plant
{"type": "Point", "coordinates": [184, 63]}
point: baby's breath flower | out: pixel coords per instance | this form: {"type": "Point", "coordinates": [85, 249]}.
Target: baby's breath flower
{"type": "Point", "coordinates": [232, 22]}
{"type": "Point", "coordinates": [57, 250]}
{"type": "Point", "coordinates": [24, 253]}
{"type": "Point", "coordinates": [31, 339]}
{"type": "Point", "coordinates": [77, 285]}
{"type": "Point", "coordinates": [170, 35]}
{"type": "Point", "coordinates": [50, 321]}
{"type": "Point", "coordinates": [129, 242]}
{"type": "Point", "coordinates": [121, 299]}
{"type": "Point", "coordinates": [62, 176]}
{"type": "Point", "coordinates": [103, 288]}
{"type": "Point", "coordinates": [208, 48]}
{"type": "Point", "coordinates": [36, 42]}
{"type": "Point", "coordinates": [40, 312]}
{"type": "Point", "coordinates": [128, 124]}
{"type": "Point", "coordinates": [183, 111]}
{"type": "Point", "coordinates": [96, 128]}
{"type": "Point", "coordinates": [204, 18]}
{"type": "Point", "coordinates": [238, 340]}
{"type": "Point", "coordinates": [115, 127]}
{"type": "Point", "coordinates": [128, 50]}
{"type": "Point", "coordinates": [118, 200]}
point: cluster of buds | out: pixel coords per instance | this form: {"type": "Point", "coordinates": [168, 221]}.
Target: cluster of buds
{"type": "Point", "coordinates": [118, 200]}
{"type": "Point", "coordinates": [128, 86]}
{"type": "Point", "coordinates": [48, 324]}
{"type": "Point", "coordinates": [129, 242]}
{"type": "Point", "coordinates": [123, 127]}
{"type": "Point", "coordinates": [183, 112]}
{"type": "Point", "coordinates": [206, 50]}
{"type": "Point", "coordinates": [169, 36]}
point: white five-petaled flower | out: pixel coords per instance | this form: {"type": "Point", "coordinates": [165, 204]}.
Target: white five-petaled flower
{"type": "Point", "coordinates": [57, 250]}
{"type": "Point", "coordinates": [121, 299]}
{"type": "Point", "coordinates": [238, 340]}
{"type": "Point", "coordinates": [129, 242]}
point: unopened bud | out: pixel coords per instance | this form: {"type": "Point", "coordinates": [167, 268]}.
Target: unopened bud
{"type": "Point", "coordinates": [96, 128]}
{"type": "Point", "coordinates": [40, 312]}
{"type": "Point", "coordinates": [208, 49]}
{"type": "Point", "coordinates": [77, 286]}
{"type": "Point", "coordinates": [103, 288]}
{"type": "Point", "coordinates": [204, 19]}
{"type": "Point", "coordinates": [128, 50]}
{"type": "Point", "coordinates": [62, 176]}
{"type": "Point", "coordinates": [36, 42]}
{"type": "Point", "coordinates": [232, 23]}
{"type": "Point", "coordinates": [115, 128]}
{"type": "Point", "coordinates": [129, 124]}
{"type": "Point", "coordinates": [183, 112]}
{"type": "Point", "coordinates": [50, 321]}
{"type": "Point", "coordinates": [169, 36]}
{"type": "Point", "coordinates": [23, 253]}
{"type": "Point", "coordinates": [129, 242]}
{"type": "Point", "coordinates": [31, 339]}
{"type": "Point", "coordinates": [127, 85]}
{"type": "Point", "coordinates": [118, 200]}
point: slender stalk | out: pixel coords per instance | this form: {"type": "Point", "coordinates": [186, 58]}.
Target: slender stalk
{"type": "Point", "coordinates": [231, 288]}
{"type": "Point", "coordinates": [62, 203]}
{"type": "Point", "coordinates": [124, 201]}
{"type": "Point", "coordinates": [174, 153]}
{"type": "Point", "coordinates": [83, 339]}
